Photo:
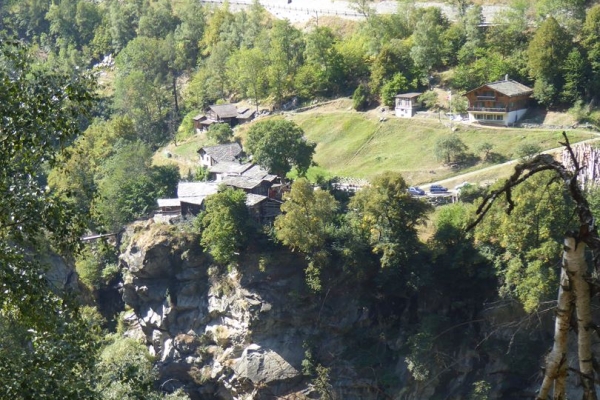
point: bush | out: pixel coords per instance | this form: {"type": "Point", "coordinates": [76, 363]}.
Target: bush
{"type": "Point", "coordinates": [220, 133]}
{"type": "Point", "coordinates": [360, 98]}
{"type": "Point", "coordinates": [528, 150]}
{"type": "Point", "coordinates": [429, 99]}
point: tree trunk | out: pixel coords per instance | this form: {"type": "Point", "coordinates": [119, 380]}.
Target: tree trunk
{"type": "Point", "coordinates": [557, 359]}
{"type": "Point", "coordinates": [576, 266]}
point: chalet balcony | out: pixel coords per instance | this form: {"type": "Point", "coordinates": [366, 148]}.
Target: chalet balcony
{"type": "Point", "coordinates": [489, 109]}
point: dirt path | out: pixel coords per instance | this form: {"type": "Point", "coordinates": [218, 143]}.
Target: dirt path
{"type": "Point", "coordinates": [465, 177]}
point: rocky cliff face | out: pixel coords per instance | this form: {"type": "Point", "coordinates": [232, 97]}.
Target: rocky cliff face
{"type": "Point", "coordinates": [218, 333]}
{"type": "Point", "coordinates": [257, 333]}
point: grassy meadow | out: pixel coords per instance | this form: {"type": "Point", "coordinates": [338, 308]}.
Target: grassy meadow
{"type": "Point", "coordinates": [352, 144]}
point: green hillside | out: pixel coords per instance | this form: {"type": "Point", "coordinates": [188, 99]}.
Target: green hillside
{"type": "Point", "coordinates": [352, 144]}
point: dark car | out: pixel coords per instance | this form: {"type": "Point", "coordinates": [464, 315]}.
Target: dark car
{"type": "Point", "coordinates": [437, 189]}
{"type": "Point", "coordinates": [416, 191]}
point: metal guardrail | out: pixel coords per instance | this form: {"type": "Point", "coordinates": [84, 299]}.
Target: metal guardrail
{"type": "Point", "coordinates": [290, 8]}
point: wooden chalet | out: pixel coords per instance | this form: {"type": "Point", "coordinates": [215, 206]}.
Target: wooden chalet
{"type": "Point", "coordinates": [407, 104]}
{"type": "Point", "coordinates": [499, 103]}
{"type": "Point", "coordinates": [262, 209]}
{"type": "Point", "coordinates": [222, 153]}
{"type": "Point", "coordinates": [222, 114]}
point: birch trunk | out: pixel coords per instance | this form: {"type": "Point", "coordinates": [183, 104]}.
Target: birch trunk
{"type": "Point", "coordinates": [576, 266]}
{"type": "Point", "coordinates": [557, 359]}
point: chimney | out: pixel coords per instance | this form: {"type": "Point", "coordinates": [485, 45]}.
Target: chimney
{"type": "Point", "coordinates": [506, 77]}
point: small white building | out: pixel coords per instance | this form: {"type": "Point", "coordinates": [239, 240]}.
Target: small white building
{"type": "Point", "coordinates": [407, 105]}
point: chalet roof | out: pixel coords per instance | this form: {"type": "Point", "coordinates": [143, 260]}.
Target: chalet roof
{"type": "Point", "coordinates": [197, 200]}
{"type": "Point", "coordinates": [199, 117]}
{"type": "Point", "coordinates": [246, 114]}
{"type": "Point", "coordinates": [408, 95]}
{"type": "Point", "coordinates": [223, 152]}
{"type": "Point", "coordinates": [257, 172]}
{"type": "Point", "coordinates": [224, 110]}
{"type": "Point", "coordinates": [196, 189]}
{"type": "Point", "coordinates": [168, 202]}
{"type": "Point", "coordinates": [229, 167]}
{"type": "Point", "coordinates": [507, 87]}
{"type": "Point", "coordinates": [241, 182]}
{"type": "Point", "coordinates": [254, 199]}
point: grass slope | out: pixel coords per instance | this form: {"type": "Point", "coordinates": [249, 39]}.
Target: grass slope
{"type": "Point", "coordinates": [358, 145]}
{"type": "Point", "coordinates": [352, 144]}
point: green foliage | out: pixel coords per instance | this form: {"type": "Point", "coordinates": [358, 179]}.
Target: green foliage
{"type": "Point", "coordinates": [306, 217]}
{"type": "Point", "coordinates": [528, 150]}
{"type": "Point", "coordinates": [481, 391]}
{"type": "Point", "coordinates": [525, 247]}
{"type": "Point", "coordinates": [278, 144]}
{"type": "Point", "coordinates": [429, 99]}
{"type": "Point", "coordinates": [220, 133]}
{"type": "Point", "coordinates": [386, 216]}
{"type": "Point", "coordinates": [449, 148]}
{"type": "Point", "coordinates": [547, 51]}
{"type": "Point", "coordinates": [391, 88]}
{"type": "Point", "coordinates": [225, 225]}
{"type": "Point", "coordinates": [485, 148]}
{"type": "Point", "coordinates": [427, 50]}
{"type": "Point", "coordinates": [201, 174]}
{"type": "Point", "coordinates": [125, 370]}
{"type": "Point", "coordinates": [128, 186]}
{"type": "Point", "coordinates": [305, 224]}
{"type": "Point", "coordinates": [96, 265]}
{"type": "Point", "coordinates": [360, 98]}
{"type": "Point", "coordinates": [419, 357]}
{"type": "Point", "coordinates": [46, 352]}
{"type": "Point", "coordinates": [247, 73]}
{"type": "Point", "coordinates": [393, 58]}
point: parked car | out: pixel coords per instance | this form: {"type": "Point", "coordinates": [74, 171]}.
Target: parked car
{"type": "Point", "coordinates": [437, 189]}
{"type": "Point", "coordinates": [416, 191]}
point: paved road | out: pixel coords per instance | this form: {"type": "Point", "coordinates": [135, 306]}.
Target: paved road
{"type": "Point", "coordinates": [304, 10]}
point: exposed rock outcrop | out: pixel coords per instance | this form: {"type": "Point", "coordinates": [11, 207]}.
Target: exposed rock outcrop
{"type": "Point", "coordinates": [258, 333]}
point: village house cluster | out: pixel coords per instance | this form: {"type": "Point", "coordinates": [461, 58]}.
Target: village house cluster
{"type": "Point", "coordinates": [226, 168]}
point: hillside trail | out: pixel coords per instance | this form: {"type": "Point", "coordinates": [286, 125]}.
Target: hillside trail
{"type": "Point", "coordinates": [465, 177]}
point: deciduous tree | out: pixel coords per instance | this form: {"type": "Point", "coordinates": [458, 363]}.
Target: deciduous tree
{"type": "Point", "coordinates": [278, 145]}
{"type": "Point", "coordinates": [225, 225]}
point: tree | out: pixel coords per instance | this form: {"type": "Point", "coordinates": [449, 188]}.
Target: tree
{"type": "Point", "coordinates": [225, 225]}
{"type": "Point", "coordinates": [305, 224]}
{"type": "Point", "coordinates": [278, 145]}
{"type": "Point", "coordinates": [574, 293]}
{"type": "Point", "coordinates": [427, 47]}
{"type": "Point", "coordinates": [220, 133]}
{"type": "Point", "coordinates": [590, 41]}
{"type": "Point", "coordinates": [128, 186]}
{"type": "Point", "coordinates": [547, 50]}
{"type": "Point", "coordinates": [391, 88]}
{"type": "Point", "coordinates": [387, 216]}
{"type": "Point", "coordinates": [360, 98]}
{"type": "Point", "coordinates": [247, 72]}
{"type": "Point", "coordinates": [46, 350]}
{"type": "Point", "coordinates": [449, 148]}
{"type": "Point", "coordinates": [393, 58]}
{"type": "Point", "coordinates": [574, 72]}
{"type": "Point", "coordinates": [323, 61]}
{"type": "Point", "coordinates": [485, 148]}
{"type": "Point", "coordinates": [158, 21]}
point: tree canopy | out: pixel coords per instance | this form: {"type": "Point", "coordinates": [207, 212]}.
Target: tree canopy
{"type": "Point", "coordinates": [278, 145]}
